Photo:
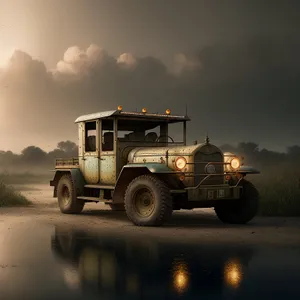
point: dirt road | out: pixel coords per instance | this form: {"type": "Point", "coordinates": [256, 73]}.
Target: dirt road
{"type": "Point", "coordinates": [199, 225]}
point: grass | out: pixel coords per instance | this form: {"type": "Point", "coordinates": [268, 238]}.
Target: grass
{"type": "Point", "coordinates": [279, 188]}
{"type": "Point", "coordinates": [25, 178]}
{"type": "Point", "coordinates": [10, 197]}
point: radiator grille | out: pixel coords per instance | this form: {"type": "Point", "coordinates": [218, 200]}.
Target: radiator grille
{"type": "Point", "coordinates": [200, 167]}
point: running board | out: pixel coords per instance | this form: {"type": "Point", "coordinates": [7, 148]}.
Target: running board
{"type": "Point", "coordinates": [89, 199]}
{"type": "Point", "coordinates": [99, 186]}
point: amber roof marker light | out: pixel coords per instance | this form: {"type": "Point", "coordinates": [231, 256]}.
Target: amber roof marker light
{"type": "Point", "coordinates": [168, 112]}
{"type": "Point", "coordinates": [120, 108]}
{"type": "Point", "coordinates": [144, 110]}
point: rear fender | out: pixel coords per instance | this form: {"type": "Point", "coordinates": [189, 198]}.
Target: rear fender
{"type": "Point", "coordinates": [77, 178]}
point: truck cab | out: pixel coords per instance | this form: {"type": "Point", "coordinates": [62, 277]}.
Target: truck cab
{"type": "Point", "coordinates": [129, 161]}
{"type": "Point", "coordinates": [106, 139]}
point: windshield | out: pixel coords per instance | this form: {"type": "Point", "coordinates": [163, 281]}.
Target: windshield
{"type": "Point", "coordinates": [160, 133]}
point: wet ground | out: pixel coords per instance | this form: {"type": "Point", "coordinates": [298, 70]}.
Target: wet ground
{"type": "Point", "coordinates": [101, 255]}
{"type": "Point", "coordinates": [39, 261]}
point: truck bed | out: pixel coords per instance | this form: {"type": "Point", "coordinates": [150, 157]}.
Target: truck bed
{"type": "Point", "coordinates": [66, 163]}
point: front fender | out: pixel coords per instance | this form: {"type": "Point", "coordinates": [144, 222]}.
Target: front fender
{"type": "Point", "coordinates": [247, 170]}
{"type": "Point", "coordinates": [152, 167]}
{"type": "Point", "coordinates": [131, 171]}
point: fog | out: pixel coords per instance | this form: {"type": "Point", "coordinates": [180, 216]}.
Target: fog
{"type": "Point", "coordinates": [35, 160]}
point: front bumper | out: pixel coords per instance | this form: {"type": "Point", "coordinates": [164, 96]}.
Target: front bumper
{"type": "Point", "coordinates": [221, 192]}
{"type": "Point", "coordinates": [213, 192]}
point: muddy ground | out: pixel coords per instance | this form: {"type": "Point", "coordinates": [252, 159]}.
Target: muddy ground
{"type": "Point", "coordinates": [200, 225]}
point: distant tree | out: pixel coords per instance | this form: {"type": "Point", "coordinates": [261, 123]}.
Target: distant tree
{"type": "Point", "coordinates": [33, 154]}
{"type": "Point", "coordinates": [67, 146]}
{"type": "Point", "coordinates": [8, 158]}
{"type": "Point", "coordinates": [248, 148]}
{"type": "Point", "coordinates": [293, 153]}
{"type": "Point", "coordinates": [267, 157]}
{"type": "Point", "coordinates": [57, 153]}
{"type": "Point", "coordinates": [293, 150]}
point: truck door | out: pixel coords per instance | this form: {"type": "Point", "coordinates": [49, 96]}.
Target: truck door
{"type": "Point", "coordinates": [108, 152]}
{"type": "Point", "coordinates": [90, 151]}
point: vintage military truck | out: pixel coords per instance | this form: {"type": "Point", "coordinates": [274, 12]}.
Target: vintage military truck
{"type": "Point", "coordinates": [129, 161]}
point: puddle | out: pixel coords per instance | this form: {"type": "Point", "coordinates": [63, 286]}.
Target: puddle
{"type": "Point", "coordinates": [44, 262]}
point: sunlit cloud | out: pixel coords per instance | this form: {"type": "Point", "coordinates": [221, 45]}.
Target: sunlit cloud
{"type": "Point", "coordinates": [184, 63]}
{"type": "Point", "coordinates": [127, 60]}
{"type": "Point", "coordinates": [5, 55]}
{"type": "Point", "coordinates": [77, 61]}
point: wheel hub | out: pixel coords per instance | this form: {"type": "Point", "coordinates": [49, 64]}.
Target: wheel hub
{"type": "Point", "coordinates": [144, 203]}
{"type": "Point", "coordinates": [147, 202]}
{"type": "Point", "coordinates": [65, 194]}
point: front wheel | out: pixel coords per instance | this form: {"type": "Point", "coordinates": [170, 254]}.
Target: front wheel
{"type": "Point", "coordinates": [66, 195]}
{"type": "Point", "coordinates": [243, 210]}
{"type": "Point", "coordinates": [148, 201]}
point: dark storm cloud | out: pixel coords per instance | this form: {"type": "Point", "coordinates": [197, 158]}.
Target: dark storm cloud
{"type": "Point", "coordinates": [242, 91]}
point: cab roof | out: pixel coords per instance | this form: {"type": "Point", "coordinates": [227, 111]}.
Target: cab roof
{"type": "Point", "coordinates": [133, 115]}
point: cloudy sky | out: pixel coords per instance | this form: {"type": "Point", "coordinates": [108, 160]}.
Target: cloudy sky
{"type": "Point", "coordinates": [236, 64]}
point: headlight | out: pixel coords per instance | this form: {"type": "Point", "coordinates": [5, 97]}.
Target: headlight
{"type": "Point", "coordinates": [180, 163]}
{"type": "Point", "coordinates": [235, 163]}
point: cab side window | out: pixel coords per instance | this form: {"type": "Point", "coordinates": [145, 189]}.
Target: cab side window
{"type": "Point", "coordinates": [107, 135]}
{"type": "Point", "coordinates": [90, 137]}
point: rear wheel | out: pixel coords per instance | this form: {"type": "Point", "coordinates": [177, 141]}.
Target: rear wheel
{"type": "Point", "coordinates": [148, 201]}
{"type": "Point", "coordinates": [66, 195]}
{"type": "Point", "coordinates": [243, 210]}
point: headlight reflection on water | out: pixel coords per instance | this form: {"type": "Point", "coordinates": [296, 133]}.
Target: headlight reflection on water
{"type": "Point", "coordinates": [180, 276]}
{"type": "Point", "coordinates": [233, 273]}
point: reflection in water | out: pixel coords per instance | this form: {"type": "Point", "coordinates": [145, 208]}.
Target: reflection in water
{"type": "Point", "coordinates": [180, 276]}
{"type": "Point", "coordinates": [71, 278]}
{"type": "Point", "coordinates": [88, 264]}
{"type": "Point", "coordinates": [233, 273]}
{"type": "Point", "coordinates": [125, 268]}
{"type": "Point", "coordinates": [108, 270]}
{"type": "Point", "coordinates": [132, 283]}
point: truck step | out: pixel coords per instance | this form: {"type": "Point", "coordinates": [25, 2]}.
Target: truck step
{"type": "Point", "coordinates": [99, 186]}
{"type": "Point", "coordinates": [92, 199]}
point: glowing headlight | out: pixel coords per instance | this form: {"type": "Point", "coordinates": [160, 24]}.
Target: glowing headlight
{"type": "Point", "coordinates": [180, 163]}
{"type": "Point", "coordinates": [235, 163]}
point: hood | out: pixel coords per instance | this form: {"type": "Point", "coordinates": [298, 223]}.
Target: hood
{"type": "Point", "coordinates": [156, 154]}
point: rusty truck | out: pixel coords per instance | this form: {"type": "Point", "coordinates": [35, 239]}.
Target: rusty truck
{"type": "Point", "coordinates": [129, 161]}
